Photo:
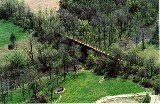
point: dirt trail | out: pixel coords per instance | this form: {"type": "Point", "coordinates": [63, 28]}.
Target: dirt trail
{"type": "Point", "coordinates": [154, 98]}
{"type": "Point", "coordinates": [35, 5]}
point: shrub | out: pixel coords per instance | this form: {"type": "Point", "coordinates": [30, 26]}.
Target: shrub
{"type": "Point", "coordinates": [91, 60]}
{"type": "Point", "coordinates": [42, 99]}
{"type": "Point", "coordinates": [136, 79]}
{"type": "Point", "coordinates": [134, 69]}
{"type": "Point", "coordinates": [142, 72]}
{"type": "Point", "coordinates": [16, 59]}
{"type": "Point", "coordinates": [106, 75]}
{"type": "Point", "coordinates": [11, 46]}
{"type": "Point", "coordinates": [147, 99]}
{"type": "Point", "coordinates": [147, 83]}
{"type": "Point", "coordinates": [157, 87]}
{"type": "Point", "coordinates": [125, 76]}
{"type": "Point", "coordinates": [130, 77]}
{"type": "Point", "coordinates": [99, 71]}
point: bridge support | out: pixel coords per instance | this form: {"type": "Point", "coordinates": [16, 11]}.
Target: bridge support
{"type": "Point", "coordinates": [84, 53]}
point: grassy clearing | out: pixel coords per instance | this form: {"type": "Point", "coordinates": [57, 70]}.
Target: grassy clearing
{"type": "Point", "coordinates": [7, 28]}
{"type": "Point", "coordinates": [85, 88]}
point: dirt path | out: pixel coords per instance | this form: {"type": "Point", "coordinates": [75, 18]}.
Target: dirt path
{"type": "Point", "coordinates": [114, 99]}
{"type": "Point", "coordinates": [155, 99]}
{"type": "Point", "coordinates": [35, 5]}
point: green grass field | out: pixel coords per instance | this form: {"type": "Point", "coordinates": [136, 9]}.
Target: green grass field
{"type": "Point", "coordinates": [7, 28]}
{"type": "Point", "coordinates": [85, 88]}
{"type": "Point", "coordinates": [17, 96]}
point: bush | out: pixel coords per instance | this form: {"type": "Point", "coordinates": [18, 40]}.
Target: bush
{"type": "Point", "coordinates": [147, 83]}
{"type": "Point", "coordinates": [99, 71]}
{"type": "Point", "coordinates": [147, 99]}
{"type": "Point", "coordinates": [125, 76]}
{"type": "Point", "coordinates": [157, 87]}
{"type": "Point", "coordinates": [142, 72]}
{"type": "Point", "coordinates": [11, 46]}
{"type": "Point", "coordinates": [42, 99]}
{"type": "Point", "coordinates": [106, 75]}
{"type": "Point", "coordinates": [16, 59]}
{"type": "Point", "coordinates": [91, 60]}
{"type": "Point", "coordinates": [130, 77]}
{"type": "Point", "coordinates": [134, 69]}
{"type": "Point", "coordinates": [136, 79]}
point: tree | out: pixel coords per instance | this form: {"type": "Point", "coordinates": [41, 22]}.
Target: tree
{"type": "Point", "coordinates": [143, 33]}
{"type": "Point", "coordinates": [147, 99]}
{"type": "Point", "coordinates": [30, 50]}
{"type": "Point", "coordinates": [150, 65]}
{"type": "Point", "coordinates": [91, 60]}
{"type": "Point", "coordinates": [12, 40]}
{"type": "Point", "coordinates": [157, 86]}
{"type": "Point", "coordinates": [64, 56]}
{"type": "Point", "coordinates": [84, 30]}
{"type": "Point", "coordinates": [16, 60]}
{"type": "Point", "coordinates": [114, 61]}
{"type": "Point", "coordinates": [121, 21]}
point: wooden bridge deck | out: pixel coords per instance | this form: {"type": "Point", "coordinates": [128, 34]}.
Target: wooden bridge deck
{"type": "Point", "coordinates": [85, 44]}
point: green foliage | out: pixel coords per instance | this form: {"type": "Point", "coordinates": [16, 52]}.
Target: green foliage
{"type": "Point", "coordinates": [147, 99]}
{"type": "Point", "coordinates": [157, 86]}
{"type": "Point", "coordinates": [112, 20]}
{"type": "Point", "coordinates": [12, 38]}
{"type": "Point", "coordinates": [136, 79]}
{"type": "Point", "coordinates": [101, 24]}
{"type": "Point", "coordinates": [91, 60]}
{"type": "Point", "coordinates": [148, 83]}
{"type": "Point", "coordinates": [111, 64]}
{"type": "Point", "coordinates": [16, 59]}
{"type": "Point", "coordinates": [47, 57]}
{"type": "Point", "coordinates": [7, 28]}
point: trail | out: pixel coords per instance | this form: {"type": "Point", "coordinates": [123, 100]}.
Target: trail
{"type": "Point", "coordinates": [58, 99]}
{"type": "Point", "coordinates": [154, 98]}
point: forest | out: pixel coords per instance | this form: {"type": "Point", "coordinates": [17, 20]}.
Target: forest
{"type": "Point", "coordinates": [76, 47]}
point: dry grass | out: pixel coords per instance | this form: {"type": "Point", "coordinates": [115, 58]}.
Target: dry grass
{"type": "Point", "coordinates": [22, 45]}
{"type": "Point", "coordinates": [35, 5]}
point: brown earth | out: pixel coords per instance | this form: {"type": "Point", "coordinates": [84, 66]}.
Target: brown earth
{"type": "Point", "coordinates": [35, 5]}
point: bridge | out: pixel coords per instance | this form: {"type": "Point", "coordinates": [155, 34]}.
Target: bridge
{"type": "Point", "coordinates": [85, 47]}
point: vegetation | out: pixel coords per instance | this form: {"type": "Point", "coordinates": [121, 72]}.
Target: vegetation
{"type": "Point", "coordinates": [88, 85]}
{"type": "Point", "coordinates": [147, 99]}
{"type": "Point", "coordinates": [116, 39]}
{"type": "Point", "coordinates": [7, 28]}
